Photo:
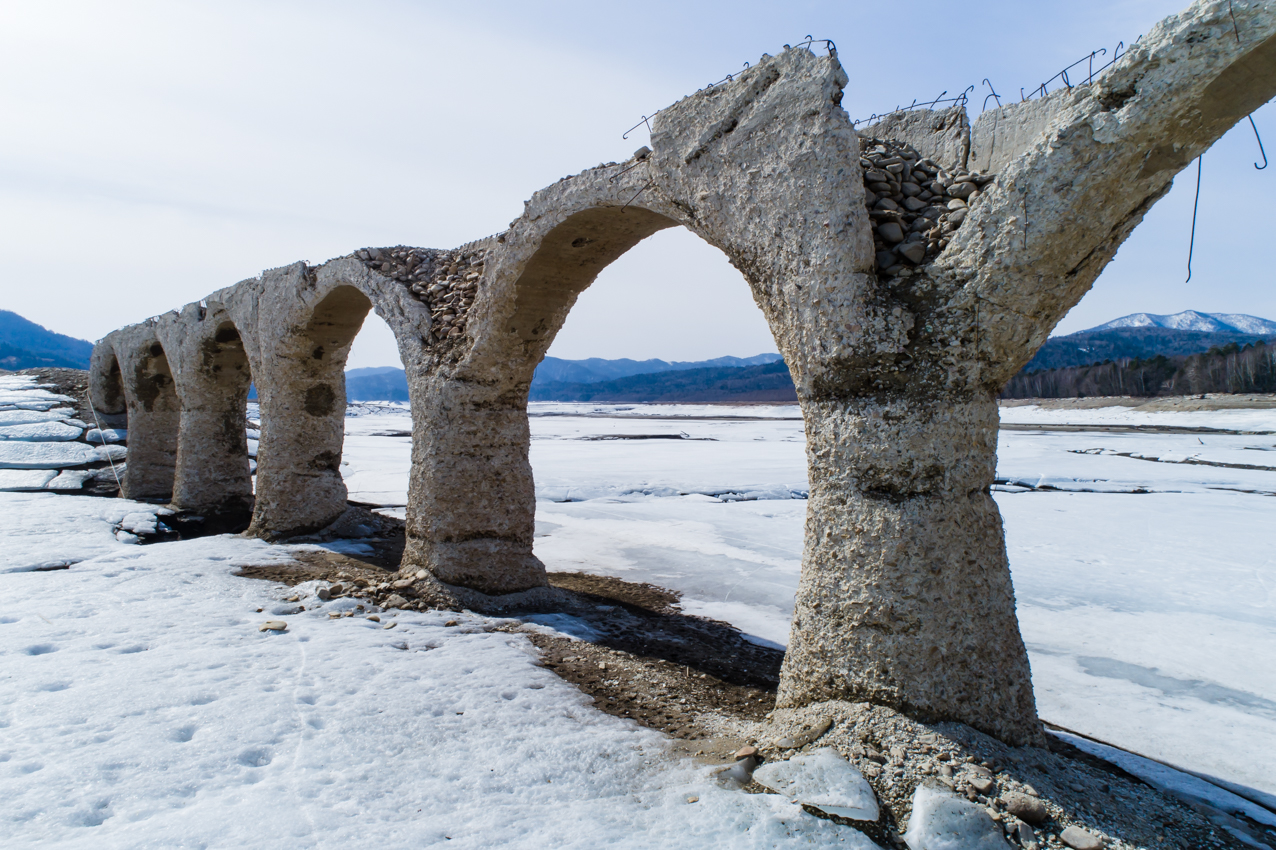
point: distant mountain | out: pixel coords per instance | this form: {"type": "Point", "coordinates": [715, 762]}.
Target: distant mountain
{"type": "Point", "coordinates": [380, 383]}
{"type": "Point", "coordinates": [1146, 354]}
{"type": "Point", "coordinates": [371, 370]}
{"type": "Point", "coordinates": [1122, 343]}
{"type": "Point", "coordinates": [1191, 320]}
{"type": "Point", "coordinates": [26, 345]}
{"type": "Point", "coordinates": [388, 383]}
{"type": "Point", "coordinates": [555, 370]}
{"type": "Point", "coordinates": [769, 382]}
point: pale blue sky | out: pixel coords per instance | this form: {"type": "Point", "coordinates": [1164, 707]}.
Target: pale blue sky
{"type": "Point", "coordinates": [154, 152]}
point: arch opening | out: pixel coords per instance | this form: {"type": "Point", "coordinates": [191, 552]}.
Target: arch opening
{"type": "Point", "coordinates": [213, 487]}
{"type": "Point", "coordinates": [569, 259]}
{"type": "Point", "coordinates": [710, 506]}
{"type": "Point", "coordinates": [108, 396]}
{"type": "Point", "coordinates": [302, 402]}
{"type": "Point", "coordinates": [154, 416]}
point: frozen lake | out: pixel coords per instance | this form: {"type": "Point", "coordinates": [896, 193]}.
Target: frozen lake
{"type": "Point", "coordinates": [1142, 560]}
{"type": "Point", "coordinates": [146, 706]}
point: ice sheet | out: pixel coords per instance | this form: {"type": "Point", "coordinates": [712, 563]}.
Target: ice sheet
{"type": "Point", "coordinates": [17, 454]}
{"type": "Point", "coordinates": [1256, 419]}
{"type": "Point", "coordinates": [43, 529]}
{"type": "Point", "coordinates": [41, 432]}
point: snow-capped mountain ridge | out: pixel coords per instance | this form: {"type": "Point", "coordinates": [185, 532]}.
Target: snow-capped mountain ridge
{"type": "Point", "coordinates": [1193, 320]}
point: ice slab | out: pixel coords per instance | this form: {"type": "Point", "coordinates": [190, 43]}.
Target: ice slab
{"type": "Point", "coordinates": [44, 529]}
{"type": "Point", "coordinates": [110, 453]}
{"type": "Point", "coordinates": [25, 479]}
{"type": "Point", "coordinates": [24, 417]}
{"type": "Point", "coordinates": [672, 411]}
{"type": "Point", "coordinates": [16, 454]}
{"type": "Point", "coordinates": [823, 779]}
{"type": "Point", "coordinates": [22, 398]}
{"type": "Point", "coordinates": [942, 821]}
{"type": "Point", "coordinates": [1258, 419]}
{"type": "Point", "coordinates": [43, 432]}
{"type": "Point", "coordinates": [71, 479]}
{"type": "Point", "coordinates": [1180, 784]}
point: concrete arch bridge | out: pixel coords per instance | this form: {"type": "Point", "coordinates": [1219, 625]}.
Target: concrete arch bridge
{"type": "Point", "coordinates": [897, 349]}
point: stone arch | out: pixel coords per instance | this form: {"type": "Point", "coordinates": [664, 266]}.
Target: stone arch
{"type": "Point", "coordinates": [106, 388]}
{"type": "Point", "coordinates": [151, 405]}
{"type": "Point", "coordinates": [302, 397]}
{"type": "Point", "coordinates": [570, 258]}
{"type": "Point", "coordinates": [905, 596]}
{"type": "Point", "coordinates": [471, 501]}
{"type": "Point", "coordinates": [298, 323]}
{"type": "Point", "coordinates": [212, 375]}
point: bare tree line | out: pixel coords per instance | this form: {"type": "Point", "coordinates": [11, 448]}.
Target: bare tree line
{"type": "Point", "coordinates": [1230, 369]}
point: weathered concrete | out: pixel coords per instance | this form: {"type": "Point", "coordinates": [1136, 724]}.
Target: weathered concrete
{"type": "Point", "coordinates": [905, 598]}
{"type": "Point", "coordinates": [146, 379]}
{"type": "Point", "coordinates": [942, 135]}
{"type": "Point", "coordinates": [211, 377]}
{"type": "Point", "coordinates": [1000, 136]}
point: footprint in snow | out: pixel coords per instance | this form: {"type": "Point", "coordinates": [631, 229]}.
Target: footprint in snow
{"type": "Point", "coordinates": [255, 757]}
{"type": "Point", "coordinates": [182, 734]}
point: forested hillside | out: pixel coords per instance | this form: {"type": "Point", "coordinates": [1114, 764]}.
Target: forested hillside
{"type": "Point", "coordinates": [766, 383]}
{"type": "Point", "coordinates": [1231, 368]}
{"type": "Point", "coordinates": [26, 345]}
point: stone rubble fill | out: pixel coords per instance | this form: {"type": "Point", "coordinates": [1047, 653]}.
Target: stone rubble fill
{"type": "Point", "coordinates": [914, 203]}
{"type": "Point", "coordinates": [445, 281]}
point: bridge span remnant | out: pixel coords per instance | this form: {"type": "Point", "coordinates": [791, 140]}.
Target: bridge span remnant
{"type": "Point", "coordinates": [899, 323]}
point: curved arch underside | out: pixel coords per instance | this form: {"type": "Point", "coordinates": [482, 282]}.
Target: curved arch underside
{"type": "Point", "coordinates": [905, 597]}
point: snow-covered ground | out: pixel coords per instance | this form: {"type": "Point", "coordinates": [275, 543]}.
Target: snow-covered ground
{"type": "Point", "coordinates": [1143, 561]}
{"type": "Point", "coordinates": [142, 706]}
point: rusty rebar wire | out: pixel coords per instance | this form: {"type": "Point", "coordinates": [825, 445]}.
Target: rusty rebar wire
{"type": "Point", "coordinates": [828, 43]}
{"type": "Point", "coordinates": [623, 172]}
{"type": "Point", "coordinates": [961, 99]}
{"type": "Point", "coordinates": [993, 94]}
{"type": "Point", "coordinates": [1191, 245]}
{"type": "Point", "coordinates": [645, 120]}
{"type": "Point", "coordinates": [1063, 75]}
{"type": "Point", "coordinates": [1235, 28]}
{"type": "Point", "coordinates": [1260, 144]}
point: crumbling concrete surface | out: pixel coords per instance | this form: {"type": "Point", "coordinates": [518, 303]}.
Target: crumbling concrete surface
{"type": "Point", "coordinates": [899, 322]}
